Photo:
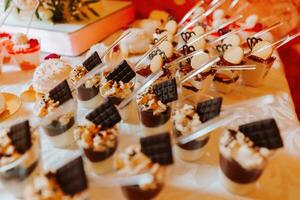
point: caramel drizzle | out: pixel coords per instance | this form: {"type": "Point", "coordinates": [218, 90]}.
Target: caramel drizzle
{"type": "Point", "coordinates": [187, 35]}
{"type": "Point", "coordinates": [221, 48]}
{"type": "Point", "coordinates": [252, 41]}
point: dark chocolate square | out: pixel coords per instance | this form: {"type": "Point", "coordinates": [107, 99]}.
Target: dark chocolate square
{"type": "Point", "coordinates": [20, 136]}
{"type": "Point", "coordinates": [106, 115]}
{"type": "Point", "coordinates": [61, 93]}
{"type": "Point", "coordinates": [71, 177]}
{"type": "Point", "coordinates": [209, 109]}
{"type": "Point", "coordinates": [122, 73]}
{"type": "Point", "coordinates": [264, 133]}
{"type": "Point", "coordinates": [158, 148]}
{"type": "Point", "coordinates": [166, 91]}
{"type": "Point", "coordinates": [92, 61]}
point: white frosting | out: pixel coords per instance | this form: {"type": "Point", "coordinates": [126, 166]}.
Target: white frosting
{"type": "Point", "coordinates": [2, 104]}
{"type": "Point", "coordinates": [199, 60]}
{"type": "Point", "coordinates": [234, 55]}
{"type": "Point", "coordinates": [167, 47]}
{"type": "Point", "coordinates": [251, 21]}
{"type": "Point", "coordinates": [171, 26]}
{"type": "Point", "coordinates": [199, 44]}
{"type": "Point", "coordinates": [242, 150]}
{"type": "Point", "coordinates": [186, 119]}
{"type": "Point", "coordinates": [49, 74]}
{"type": "Point", "coordinates": [198, 30]}
{"type": "Point", "coordinates": [156, 63]}
{"type": "Point", "coordinates": [218, 14]}
{"type": "Point", "coordinates": [265, 53]}
{"type": "Point", "coordinates": [233, 39]}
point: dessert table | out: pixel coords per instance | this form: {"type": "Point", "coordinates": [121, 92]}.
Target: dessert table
{"type": "Point", "coordinates": [198, 180]}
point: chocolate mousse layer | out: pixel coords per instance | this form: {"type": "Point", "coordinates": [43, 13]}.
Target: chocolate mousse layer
{"type": "Point", "coordinates": [193, 145]}
{"type": "Point", "coordinates": [55, 128]}
{"type": "Point", "coordinates": [115, 100]}
{"type": "Point", "coordinates": [19, 172]}
{"type": "Point", "coordinates": [145, 72]}
{"type": "Point", "coordinates": [260, 60]}
{"type": "Point", "coordinates": [85, 94]}
{"type": "Point", "coordinates": [97, 156]}
{"type": "Point", "coordinates": [235, 172]}
{"type": "Point", "coordinates": [150, 120]}
{"type": "Point", "coordinates": [136, 193]}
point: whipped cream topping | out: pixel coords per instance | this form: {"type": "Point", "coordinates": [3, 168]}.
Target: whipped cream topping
{"type": "Point", "coordinates": [148, 101]}
{"type": "Point", "coordinates": [91, 136]}
{"type": "Point", "coordinates": [77, 73]}
{"type": "Point", "coordinates": [46, 187]}
{"type": "Point", "coordinates": [132, 162]}
{"type": "Point", "coordinates": [186, 119]}
{"type": "Point", "coordinates": [8, 152]}
{"type": "Point", "coordinates": [236, 146]}
{"type": "Point", "coordinates": [116, 89]}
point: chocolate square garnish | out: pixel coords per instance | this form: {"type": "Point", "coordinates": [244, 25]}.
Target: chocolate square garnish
{"type": "Point", "coordinates": [61, 93]}
{"type": "Point", "coordinates": [158, 148]}
{"type": "Point", "coordinates": [71, 177]}
{"type": "Point", "coordinates": [20, 136]}
{"type": "Point", "coordinates": [92, 61]}
{"type": "Point", "coordinates": [264, 133]}
{"type": "Point", "coordinates": [106, 115]}
{"type": "Point", "coordinates": [122, 73]}
{"type": "Point", "coordinates": [166, 91]}
{"type": "Point", "coordinates": [209, 109]}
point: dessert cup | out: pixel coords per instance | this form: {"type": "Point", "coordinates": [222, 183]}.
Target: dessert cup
{"type": "Point", "coordinates": [225, 84]}
{"type": "Point", "coordinates": [255, 78]}
{"type": "Point", "coordinates": [89, 97]}
{"type": "Point", "coordinates": [194, 150]}
{"type": "Point", "coordinates": [61, 134]}
{"type": "Point", "coordinates": [28, 60]}
{"type": "Point", "coordinates": [14, 176]}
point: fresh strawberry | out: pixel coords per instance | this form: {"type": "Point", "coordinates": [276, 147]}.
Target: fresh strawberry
{"type": "Point", "coordinates": [52, 56]}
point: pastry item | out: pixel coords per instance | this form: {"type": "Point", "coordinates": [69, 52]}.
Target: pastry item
{"type": "Point", "coordinates": [154, 107]}
{"type": "Point", "coordinates": [187, 118]}
{"type": "Point", "coordinates": [225, 80]}
{"type": "Point", "coordinates": [2, 104]}
{"type": "Point", "coordinates": [49, 74]}
{"type": "Point", "coordinates": [59, 129]}
{"type": "Point", "coordinates": [98, 146]}
{"type": "Point", "coordinates": [88, 94]}
{"type": "Point", "coordinates": [68, 182]}
{"type": "Point", "coordinates": [20, 154]}
{"type": "Point", "coordinates": [26, 52]}
{"type": "Point", "coordinates": [263, 60]}
{"type": "Point", "coordinates": [244, 154]}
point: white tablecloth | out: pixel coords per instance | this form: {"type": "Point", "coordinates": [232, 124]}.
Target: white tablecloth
{"type": "Point", "coordinates": [199, 180]}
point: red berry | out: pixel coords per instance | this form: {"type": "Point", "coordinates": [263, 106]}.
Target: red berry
{"type": "Point", "coordinates": [52, 56]}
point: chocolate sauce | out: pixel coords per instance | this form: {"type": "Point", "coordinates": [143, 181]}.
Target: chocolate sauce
{"type": "Point", "coordinates": [150, 120]}
{"type": "Point", "coordinates": [235, 172]}
{"type": "Point", "coordinates": [55, 128]}
{"type": "Point", "coordinates": [97, 156]}
{"type": "Point", "coordinates": [85, 94]}
{"type": "Point", "coordinates": [193, 145]}
{"type": "Point", "coordinates": [115, 100]}
{"type": "Point", "coordinates": [136, 193]}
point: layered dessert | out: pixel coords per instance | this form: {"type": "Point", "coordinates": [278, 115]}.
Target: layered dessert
{"type": "Point", "coordinates": [185, 122]}
{"type": "Point", "coordinates": [154, 115]}
{"type": "Point", "coordinates": [225, 80]}
{"type": "Point", "coordinates": [20, 154]}
{"type": "Point", "coordinates": [132, 162]}
{"type": "Point", "coordinates": [98, 146]}
{"type": "Point", "coordinates": [200, 83]}
{"type": "Point", "coordinates": [241, 162]}
{"type": "Point", "coordinates": [2, 104]}
{"type": "Point", "coordinates": [5, 39]}
{"type": "Point", "coordinates": [26, 52]}
{"type": "Point", "coordinates": [261, 57]}
{"type": "Point", "coordinates": [190, 36]}
{"type": "Point", "coordinates": [88, 94]}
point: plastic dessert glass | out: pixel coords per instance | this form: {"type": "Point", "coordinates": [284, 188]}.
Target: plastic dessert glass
{"type": "Point", "coordinates": [14, 176]}
{"type": "Point", "coordinates": [256, 77]}
{"type": "Point", "coordinates": [194, 150]}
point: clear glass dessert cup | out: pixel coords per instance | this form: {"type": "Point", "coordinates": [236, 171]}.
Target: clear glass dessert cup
{"type": "Point", "coordinates": [152, 124]}
{"type": "Point", "coordinates": [15, 175]}
{"type": "Point", "coordinates": [100, 162]}
{"type": "Point", "coordinates": [89, 98]}
{"type": "Point", "coordinates": [61, 135]}
{"type": "Point", "coordinates": [255, 78]}
{"type": "Point", "coordinates": [225, 86]}
{"type": "Point", "coordinates": [194, 150]}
